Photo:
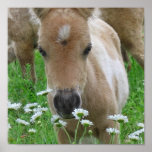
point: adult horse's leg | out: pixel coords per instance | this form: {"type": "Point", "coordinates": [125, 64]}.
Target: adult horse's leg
{"type": "Point", "coordinates": [11, 51]}
{"type": "Point", "coordinates": [11, 54]}
{"type": "Point", "coordinates": [25, 55]}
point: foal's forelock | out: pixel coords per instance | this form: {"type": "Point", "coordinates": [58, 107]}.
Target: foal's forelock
{"type": "Point", "coordinates": [63, 34]}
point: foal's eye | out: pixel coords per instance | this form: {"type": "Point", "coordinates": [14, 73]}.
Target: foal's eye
{"type": "Point", "coordinates": [87, 49]}
{"type": "Point", "coordinates": [43, 53]}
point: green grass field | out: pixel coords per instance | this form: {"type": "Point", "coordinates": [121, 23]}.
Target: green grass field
{"type": "Point", "coordinates": [23, 91]}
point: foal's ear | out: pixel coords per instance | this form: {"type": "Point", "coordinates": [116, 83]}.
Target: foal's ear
{"type": "Point", "coordinates": [41, 12]}
{"type": "Point", "coordinates": [85, 12]}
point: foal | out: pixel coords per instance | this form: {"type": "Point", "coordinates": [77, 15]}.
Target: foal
{"type": "Point", "coordinates": [84, 66]}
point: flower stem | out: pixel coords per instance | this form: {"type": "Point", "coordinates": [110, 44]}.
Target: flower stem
{"type": "Point", "coordinates": [56, 133]}
{"type": "Point", "coordinates": [112, 138]}
{"type": "Point", "coordinates": [85, 129]}
{"type": "Point", "coordinates": [114, 134]}
{"type": "Point", "coordinates": [67, 134]}
{"type": "Point", "coordinates": [75, 137]}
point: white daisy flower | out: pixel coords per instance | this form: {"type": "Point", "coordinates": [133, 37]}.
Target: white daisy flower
{"type": "Point", "coordinates": [35, 116]}
{"type": "Point", "coordinates": [86, 123]}
{"type": "Point", "coordinates": [30, 105]}
{"type": "Point", "coordinates": [63, 123]}
{"type": "Point", "coordinates": [119, 117]}
{"type": "Point", "coordinates": [80, 113]}
{"type": "Point", "coordinates": [45, 92]}
{"type": "Point", "coordinates": [60, 123]}
{"type": "Point", "coordinates": [27, 110]}
{"type": "Point", "coordinates": [138, 132]}
{"type": "Point", "coordinates": [20, 121]}
{"type": "Point", "coordinates": [55, 119]}
{"type": "Point", "coordinates": [40, 109]}
{"type": "Point", "coordinates": [133, 137]}
{"type": "Point", "coordinates": [141, 125]}
{"type": "Point", "coordinates": [44, 109]}
{"type": "Point", "coordinates": [14, 106]}
{"type": "Point", "coordinates": [32, 130]}
{"type": "Point", "coordinates": [112, 131]}
{"type": "Point", "coordinates": [9, 126]}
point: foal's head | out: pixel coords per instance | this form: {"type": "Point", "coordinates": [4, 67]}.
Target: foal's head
{"type": "Point", "coordinates": [64, 43]}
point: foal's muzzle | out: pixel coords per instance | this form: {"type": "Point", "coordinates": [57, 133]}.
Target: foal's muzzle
{"type": "Point", "coordinates": [65, 101]}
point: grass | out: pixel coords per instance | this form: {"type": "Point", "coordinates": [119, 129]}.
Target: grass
{"type": "Point", "coordinates": [23, 91]}
{"type": "Point", "coordinates": [134, 108]}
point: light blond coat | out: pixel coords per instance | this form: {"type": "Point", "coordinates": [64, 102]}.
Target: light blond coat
{"type": "Point", "coordinates": [100, 77]}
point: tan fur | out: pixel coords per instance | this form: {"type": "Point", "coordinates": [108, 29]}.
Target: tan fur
{"type": "Point", "coordinates": [23, 33]}
{"type": "Point", "coordinates": [63, 56]}
{"type": "Point", "coordinates": [108, 34]}
{"type": "Point", "coordinates": [66, 67]}
{"type": "Point", "coordinates": [115, 87]}
{"type": "Point", "coordinates": [11, 52]}
{"type": "Point", "coordinates": [41, 12]}
{"type": "Point", "coordinates": [128, 22]}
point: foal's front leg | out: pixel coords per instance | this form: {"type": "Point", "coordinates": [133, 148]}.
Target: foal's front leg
{"type": "Point", "coordinates": [63, 138]}
{"type": "Point", "coordinates": [105, 137]}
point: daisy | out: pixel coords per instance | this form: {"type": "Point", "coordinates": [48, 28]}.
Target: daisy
{"type": "Point", "coordinates": [32, 130]}
{"type": "Point", "coordinates": [55, 119]}
{"type": "Point", "coordinates": [60, 124]}
{"type": "Point", "coordinates": [14, 106]}
{"type": "Point", "coordinates": [133, 137]}
{"type": "Point", "coordinates": [138, 132]}
{"type": "Point", "coordinates": [45, 92]}
{"type": "Point", "coordinates": [30, 105]}
{"type": "Point", "coordinates": [40, 109]}
{"type": "Point", "coordinates": [20, 121]}
{"type": "Point", "coordinates": [80, 113]}
{"type": "Point", "coordinates": [35, 116]}
{"type": "Point", "coordinates": [44, 109]}
{"type": "Point", "coordinates": [141, 125]}
{"type": "Point", "coordinates": [27, 110]}
{"type": "Point", "coordinates": [86, 123]}
{"type": "Point", "coordinates": [112, 131]}
{"type": "Point", "coordinates": [119, 117]}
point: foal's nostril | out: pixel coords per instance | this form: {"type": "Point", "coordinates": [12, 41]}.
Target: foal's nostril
{"type": "Point", "coordinates": [76, 101]}
{"type": "Point", "coordinates": [57, 104]}
{"type": "Point", "coordinates": [66, 101]}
